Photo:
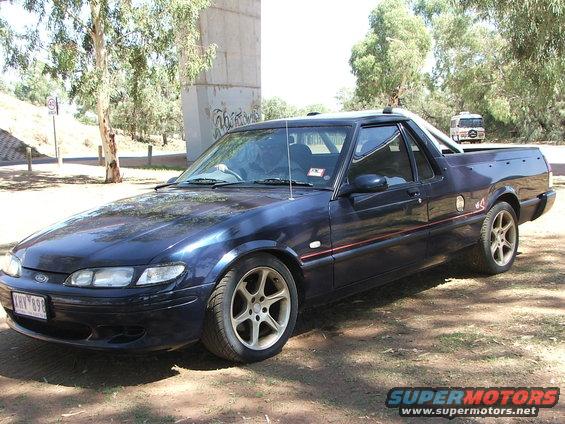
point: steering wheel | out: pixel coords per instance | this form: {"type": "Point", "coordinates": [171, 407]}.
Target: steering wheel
{"type": "Point", "coordinates": [223, 168]}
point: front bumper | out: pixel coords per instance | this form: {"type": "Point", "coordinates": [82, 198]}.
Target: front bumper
{"type": "Point", "coordinates": [477, 139]}
{"type": "Point", "coordinates": [133, 322]}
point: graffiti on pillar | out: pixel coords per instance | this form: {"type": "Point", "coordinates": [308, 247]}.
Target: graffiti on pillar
{"type": "Point", "coordinates": [224, 121]}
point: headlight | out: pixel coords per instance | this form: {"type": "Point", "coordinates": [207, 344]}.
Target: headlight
{"type": "Point", "coordinates": [123, 276]}
{"type": "Point", "coordinates": [101, 277]}
{"type": "Point", "coordinates": [160, 274]}
{"type": "Point", "coordinates": [11, 265]}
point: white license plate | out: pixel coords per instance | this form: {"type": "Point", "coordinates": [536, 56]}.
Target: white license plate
{"type": "Point", "coordinates": [29, 305]}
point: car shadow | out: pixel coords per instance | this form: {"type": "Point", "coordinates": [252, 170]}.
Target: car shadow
{"type": "Point", "coordinates": [23, 358]}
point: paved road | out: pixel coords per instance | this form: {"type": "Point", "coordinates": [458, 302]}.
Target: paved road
{"type": "Point", "coordinates": [554, 154]}
{"type": "Point", "coordinates": [130, 160]}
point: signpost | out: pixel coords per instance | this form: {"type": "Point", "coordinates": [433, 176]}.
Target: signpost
{"type": "Point", "coordinates": [53, 109]}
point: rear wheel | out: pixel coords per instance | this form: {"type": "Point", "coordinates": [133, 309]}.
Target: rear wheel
{"type": "Point", "coordinates": [496, 250]}
{"type": "Point", "coordinates": [252, 311]}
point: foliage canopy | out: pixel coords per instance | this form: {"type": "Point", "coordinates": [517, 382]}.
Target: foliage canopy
{"type": "Point", "coordinates": [502, 59]}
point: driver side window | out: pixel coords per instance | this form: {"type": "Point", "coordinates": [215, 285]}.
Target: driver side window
{"type": "Point", "coordinates": [381, 151]}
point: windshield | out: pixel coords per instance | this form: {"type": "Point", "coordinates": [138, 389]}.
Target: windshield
{"type": "Point", "coordinates": [261, 157]}
{"type": "Point", "coordinates": [471, 123]}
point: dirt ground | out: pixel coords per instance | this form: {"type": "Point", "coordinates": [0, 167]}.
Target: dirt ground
{"type": "Point", "coordinates": [443, 327]}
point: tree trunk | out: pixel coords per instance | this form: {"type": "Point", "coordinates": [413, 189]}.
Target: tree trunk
{"type": "Point", "coordinates": [393, 99]}
{"type": "Point", "coordinates": [109, 146]}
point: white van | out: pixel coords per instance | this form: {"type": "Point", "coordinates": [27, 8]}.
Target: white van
{"type": "Point", "coordinates": [467, 127]}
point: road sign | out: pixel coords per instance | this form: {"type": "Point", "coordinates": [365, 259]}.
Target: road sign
{"type": "Point", "coordinates": [52, 105]}
{"type": "Point", "coordinates": [53, 108]}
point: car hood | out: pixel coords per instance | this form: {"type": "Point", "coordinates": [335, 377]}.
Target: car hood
{"type": "Point", "coordinates": [132, 231]}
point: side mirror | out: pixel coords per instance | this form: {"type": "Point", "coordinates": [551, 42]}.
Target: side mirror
{"type": "Point", "coordinates": [368, 183]}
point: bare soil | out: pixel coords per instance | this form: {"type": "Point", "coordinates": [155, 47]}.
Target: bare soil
{"type": "Point", "coordinates": [444, 327]}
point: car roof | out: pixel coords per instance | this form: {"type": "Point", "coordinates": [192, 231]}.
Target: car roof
{"type": "Point", "coordinates": [327, 119]}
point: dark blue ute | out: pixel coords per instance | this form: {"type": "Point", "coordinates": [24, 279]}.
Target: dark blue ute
{"type": "Point", "coordinates": [274, 216]}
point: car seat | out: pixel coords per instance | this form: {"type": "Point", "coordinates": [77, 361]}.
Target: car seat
{"type": "Point", "coordinates": [302, 155]}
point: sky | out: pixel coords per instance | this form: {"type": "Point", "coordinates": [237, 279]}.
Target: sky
{"type": "Point", "coordinates": [306, 46]}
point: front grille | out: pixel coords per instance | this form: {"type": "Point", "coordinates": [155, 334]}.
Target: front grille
{"type": "Point", "coordinates": [60, 329]}
{"type": "Point", "coordinates": [118, 334]}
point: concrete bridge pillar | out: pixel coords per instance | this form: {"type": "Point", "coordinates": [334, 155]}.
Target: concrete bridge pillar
{"type": "Point", "coordinates": [228, 94]}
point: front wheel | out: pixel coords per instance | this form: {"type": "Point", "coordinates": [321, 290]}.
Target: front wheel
{"type": "Point", "coordinates": [252, 311]}
{"type": "Point", "coordinates": [496, 250]}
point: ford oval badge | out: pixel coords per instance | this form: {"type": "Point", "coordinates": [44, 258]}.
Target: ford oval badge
{"type": "Point", "coordinates": [41, 278]}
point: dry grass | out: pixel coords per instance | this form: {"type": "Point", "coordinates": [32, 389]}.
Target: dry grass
{"type": "Point", "coordinates": [33, 125]}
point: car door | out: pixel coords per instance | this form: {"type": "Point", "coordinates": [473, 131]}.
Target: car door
{"type": "Point", "coordinates": [376, 233]}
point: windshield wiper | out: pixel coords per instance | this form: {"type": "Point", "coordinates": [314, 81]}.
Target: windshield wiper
{"type": "Point", "coordinates": [281, 181]}
{"type": "Point", "coordinates": [157, 187]}
{"type": "Point", "coordinates": [204, 181]}
{"type": "Point", "coordinates": [223, 184]}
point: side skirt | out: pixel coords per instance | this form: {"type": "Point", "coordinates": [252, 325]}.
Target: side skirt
{"type": "Point", "coordinates": [373, 282]}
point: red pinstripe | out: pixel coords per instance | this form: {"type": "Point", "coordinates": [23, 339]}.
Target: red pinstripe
{"type": "Point", "coordinates": [382, 236]}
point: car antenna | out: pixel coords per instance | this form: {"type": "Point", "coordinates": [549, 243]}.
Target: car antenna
{"type": "Point", "coordinates": [288, 156]}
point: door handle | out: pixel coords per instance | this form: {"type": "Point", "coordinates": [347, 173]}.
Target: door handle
{"type": "Point", "coordinates": [413, 192]}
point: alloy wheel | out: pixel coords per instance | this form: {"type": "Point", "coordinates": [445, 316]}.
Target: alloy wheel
{"type": "Point", "coordinates": [503, 238]}
{"type": "Point", "coordinates": [260, 308]}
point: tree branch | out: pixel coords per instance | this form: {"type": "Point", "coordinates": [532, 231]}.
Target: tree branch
{"type": "Point", "coordinates": [74, 17]}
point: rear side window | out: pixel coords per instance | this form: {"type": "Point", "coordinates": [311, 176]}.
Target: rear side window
{"type": "Point", "coordinates": [381, 151]}
{"type": "Point", "coordinates": [425, 171]}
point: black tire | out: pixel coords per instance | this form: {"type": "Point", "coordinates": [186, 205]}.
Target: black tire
{"type": "Point", "coordinates": [218, 334]}
{"type": "Point", "coordinates": [481, 256]}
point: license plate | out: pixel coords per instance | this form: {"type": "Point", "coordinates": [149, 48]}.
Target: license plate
{"type": "Point", "coordinates": [29, 305]}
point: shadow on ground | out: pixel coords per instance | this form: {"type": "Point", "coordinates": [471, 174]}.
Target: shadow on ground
{"type": "Point", "coordinates": [74, 367]}
{"type": "Point", "coordinates": [445, 326]}
{"type": "Point", "coordinates": [38, 180]}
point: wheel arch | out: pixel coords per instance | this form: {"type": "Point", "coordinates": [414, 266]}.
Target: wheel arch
{"type": "Point", "coordinates": [283, 253]}
{"type": "Point", "coordinates": [508, 195]}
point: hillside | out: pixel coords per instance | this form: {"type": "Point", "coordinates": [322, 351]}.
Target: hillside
{"type": "Point", "coordinates": [32, 125]}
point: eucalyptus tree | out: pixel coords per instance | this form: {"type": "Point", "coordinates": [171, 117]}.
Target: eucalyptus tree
{"type": "Point", "coordinates": [88, 43]}
{"type": "Point", "coordinates": [35, 85]}
{"type": "Point", "coordinates": [277, 108]}
{"type": "Point", "coordinates": [491, 59]}
{"type": "Point", "coordinates": [388, 62]}
{"type": "Point", "coordinates": [148, 104]}
{"type": "Point", "coordinates": [535, 29]}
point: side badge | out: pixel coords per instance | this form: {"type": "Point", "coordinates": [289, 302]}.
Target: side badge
{"type": "Point", "coordinates": [480, 204]}
{"type": "Point", "coordinates": [460, 203]}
